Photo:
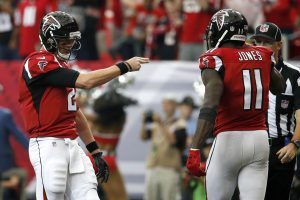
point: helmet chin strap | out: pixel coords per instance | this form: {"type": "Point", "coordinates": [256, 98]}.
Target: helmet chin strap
{"type": "Point", "coordinates": [63, 56]}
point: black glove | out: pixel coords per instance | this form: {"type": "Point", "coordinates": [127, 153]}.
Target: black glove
{"type": "Point", "coordinates": [103, 170]}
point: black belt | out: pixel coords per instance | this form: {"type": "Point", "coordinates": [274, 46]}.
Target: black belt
{"type": "Point", "coordinates": [277, 141]}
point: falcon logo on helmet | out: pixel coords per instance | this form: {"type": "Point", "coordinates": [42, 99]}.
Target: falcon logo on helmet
{"type": "Point", "coordinates": [50, 23]}
{"type": "Point", "coordinates": [219, 18]}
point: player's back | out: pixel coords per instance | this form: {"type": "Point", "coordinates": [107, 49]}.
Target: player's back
{"type": "Point", "coordinates": [246, 76]}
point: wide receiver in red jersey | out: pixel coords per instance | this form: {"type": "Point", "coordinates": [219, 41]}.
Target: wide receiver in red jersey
{"type": "Point", "coordinates": [237, 80]}
{"type": "Point", "coordinates": [52, 118]}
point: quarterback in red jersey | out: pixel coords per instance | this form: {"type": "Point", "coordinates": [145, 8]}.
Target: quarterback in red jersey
{"type": "Point", "coordinates": [237, 80]}
{"type": "Point", "coordinates": [52, 118]}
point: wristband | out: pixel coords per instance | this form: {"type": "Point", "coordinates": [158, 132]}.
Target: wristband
{"type": "Point", "coordinates": [92, 146]}
{"type": "Point", "coordinates": [296, 143]}
{"type": "Point", "coordinates": [208, 114]}
{"type": "Point", "coordinates": [123, 67]}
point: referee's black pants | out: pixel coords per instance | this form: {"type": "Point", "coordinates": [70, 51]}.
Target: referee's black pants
{"type": "Point", "coordinates": [280, 175]}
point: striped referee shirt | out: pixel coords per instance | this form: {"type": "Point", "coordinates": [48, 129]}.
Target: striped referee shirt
{"type": "Point", "coordinates": [281, 119]}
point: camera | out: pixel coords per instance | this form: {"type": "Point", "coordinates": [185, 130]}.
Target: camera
{"type": "Point", "coordinates": [148, 120]}
{"type": "Point", "coordinates": [148, 116]}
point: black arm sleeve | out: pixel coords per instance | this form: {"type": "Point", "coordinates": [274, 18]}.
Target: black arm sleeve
{"type": "Point", "coordinates": [60, 77]}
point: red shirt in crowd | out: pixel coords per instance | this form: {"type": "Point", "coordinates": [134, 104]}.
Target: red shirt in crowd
{"type": "Point", "coordinates": [195, 22]}
{"type": "Point", "coordinates": [144, 17]}
{"type": "Point", "coordinates": [118, 13]}
{"type": "Point", "coordinates": [31, 13]}
{"type": "Point", "coordinates": [279, 13]}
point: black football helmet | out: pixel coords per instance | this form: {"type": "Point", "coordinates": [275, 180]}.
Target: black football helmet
{"type": "Point", "coordinates": [226, 25]}
{"type": "Point", "coordinates": [56, 26]}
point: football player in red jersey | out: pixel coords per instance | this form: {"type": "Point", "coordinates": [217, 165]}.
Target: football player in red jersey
{"type": "Point", "coordinates": [52, 118]}
{"type": "Point", "coordinates": [237, 79]}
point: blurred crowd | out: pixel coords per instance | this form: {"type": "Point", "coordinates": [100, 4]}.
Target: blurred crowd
{"type": "Point", "coordinates": [120, 29]}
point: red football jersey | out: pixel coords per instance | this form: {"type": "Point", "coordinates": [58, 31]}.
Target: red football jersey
{"type": "Point", "coordinates": [195, 22]}
{"type": "Point", "coordinates": [246, 76]}
{"type": "Point", "coordinates": [31, 14]}
{"type": "Point", "coordinates": [48, 111]}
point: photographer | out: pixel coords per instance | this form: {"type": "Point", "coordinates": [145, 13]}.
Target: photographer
{"type": "Point", "coordinates": [164, 160]}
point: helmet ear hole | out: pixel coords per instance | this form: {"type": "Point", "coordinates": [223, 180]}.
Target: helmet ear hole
{"type": "Point", "coordinates": [77, 45]}
{"type": "Point", "coordinates": [50, 41]}
{"type": "Point", "coordinates": [51, 45]}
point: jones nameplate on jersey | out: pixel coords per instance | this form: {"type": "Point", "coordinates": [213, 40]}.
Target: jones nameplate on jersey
{"type": "Point", "coordinates": [250, 55]}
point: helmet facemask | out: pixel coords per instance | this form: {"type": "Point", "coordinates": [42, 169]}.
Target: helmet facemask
{"type": "Point", "coordinates": [72, 43]}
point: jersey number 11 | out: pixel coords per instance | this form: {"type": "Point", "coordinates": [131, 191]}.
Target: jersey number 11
{"type": "Point", "coordinates": [248, 93]}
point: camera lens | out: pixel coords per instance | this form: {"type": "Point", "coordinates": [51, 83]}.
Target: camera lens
{"type": "Point", "coordinates": [149, 116]}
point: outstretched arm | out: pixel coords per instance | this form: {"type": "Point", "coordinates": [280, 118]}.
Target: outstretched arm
{"type": "Point", "coordinates": [101, 76]}
{"type": "Point", "coordinates": [64, 77]}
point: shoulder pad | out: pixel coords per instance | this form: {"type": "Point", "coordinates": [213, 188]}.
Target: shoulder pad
{"type": "Point", "coordinates": [210, 60]}
{"type": "Point", "coordinates": [40, 63]}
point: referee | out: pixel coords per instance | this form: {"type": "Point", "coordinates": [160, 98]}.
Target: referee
{"type": "Point", "coordinates": [284, 111]}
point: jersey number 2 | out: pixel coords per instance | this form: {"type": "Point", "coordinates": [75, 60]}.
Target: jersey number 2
{"type": "Point", "coordinates": [248, 94]}
{"type": "Point", "coordinates": [71, 101]}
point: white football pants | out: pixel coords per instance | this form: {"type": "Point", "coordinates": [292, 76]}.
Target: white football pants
{"type": "Point", "coordinates": [238, 158]}
{"type": "Point", "coordinates": [62, 170]}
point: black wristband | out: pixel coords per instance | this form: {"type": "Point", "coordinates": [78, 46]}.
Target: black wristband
{"type": "Point", "coordinates": [92, 146]}
{"type": "Point", "coordinates": [208, 114]}
{"type": "Point", "coordinates": [123, 67]}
